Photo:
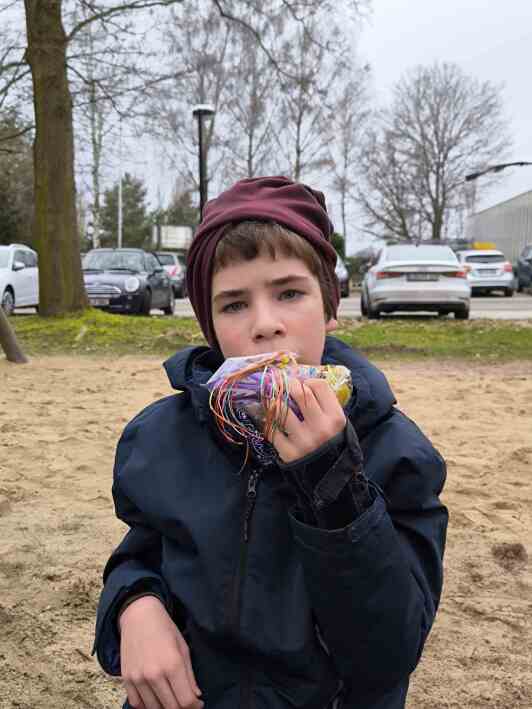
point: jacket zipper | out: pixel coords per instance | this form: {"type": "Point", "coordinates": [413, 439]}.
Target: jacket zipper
{"type": "Point", "coordinates": [251, 497]}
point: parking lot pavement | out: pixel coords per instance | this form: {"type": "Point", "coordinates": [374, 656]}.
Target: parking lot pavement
{"type": "Point", "coordinates": [493, 307]}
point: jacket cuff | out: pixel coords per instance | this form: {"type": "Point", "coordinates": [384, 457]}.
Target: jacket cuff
{"type": "Point", "coordinates": [107, 640]}
{"type": "Point", "coordinates": [131, 599]}
{"type": "Point", "coordinates": [328, 484]}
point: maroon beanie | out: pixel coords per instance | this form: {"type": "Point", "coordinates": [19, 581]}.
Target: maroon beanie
{"type": "Point", "coordinates": [278, 199]}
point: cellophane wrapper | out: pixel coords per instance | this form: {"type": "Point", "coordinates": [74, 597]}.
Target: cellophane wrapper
{"type": "Point", "coordinates": [246, 390]}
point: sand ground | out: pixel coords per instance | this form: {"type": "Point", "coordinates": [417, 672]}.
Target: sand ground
{"type": "Point", "coordinates": [60, 419]}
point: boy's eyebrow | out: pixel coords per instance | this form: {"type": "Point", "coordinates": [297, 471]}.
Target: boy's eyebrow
{"type": "Point", "coordinates": [238, 292]}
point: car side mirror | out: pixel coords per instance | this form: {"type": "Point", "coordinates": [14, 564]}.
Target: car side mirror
{"type": "Point", "coordinates": [18, 265]}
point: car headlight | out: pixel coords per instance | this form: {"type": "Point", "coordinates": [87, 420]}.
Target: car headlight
{"type": "Point", "coordinates": [132, 284]}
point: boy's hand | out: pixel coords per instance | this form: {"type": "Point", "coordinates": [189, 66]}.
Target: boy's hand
{"type": "Point", "coordinates": [155, 659]}
{"type": "Point", "coordinates": [323, 417]}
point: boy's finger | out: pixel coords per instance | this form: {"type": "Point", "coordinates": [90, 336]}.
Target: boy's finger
{"type": "Point", "coordinates": [324, 396]}
{"type": "Point", "coordinates": [133, 697]}
{"type": "Point", "coordinates": [305, 398]}
{"type": "Point", "coordinates": [185, 654]}
{"type": "Point", "coordinates": [148, 697]}
{"type": "Point", "coordinates": [174, 695]}
{"type": "Point", "coordinates": [183, 690]}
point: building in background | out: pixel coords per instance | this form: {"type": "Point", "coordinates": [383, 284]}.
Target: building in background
{"type": "Point", "coordinates": [171, 238]}
{"type": "Point", "coordinates": [507, 225]}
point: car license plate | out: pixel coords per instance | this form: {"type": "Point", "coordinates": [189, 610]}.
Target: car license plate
{"type": "Point", "coordinates": [422, 277]}
{"type": "Point", "coordinates": [99, 301]}
{"type": "Point", "coordinates": [486, 272]}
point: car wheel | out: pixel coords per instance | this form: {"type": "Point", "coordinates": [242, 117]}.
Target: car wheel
{"type": "Point", "coordinates": [363, 306]}
{"type": "Point", "coordinates": [169, 309]}
{"type": "Point", "coordinates": [8, 301]}
{"type": "Point", "coordinates": [509, 292]}
{"type": "Point", "coordinates": [145, 308]}
{"type": "Point", "coordinates": [462, 314]}
{"type": "Point", "coordinates": [373, 313]}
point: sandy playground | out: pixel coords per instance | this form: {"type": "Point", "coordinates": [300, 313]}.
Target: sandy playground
{"type": "Point", "coordinates": [60, 419]}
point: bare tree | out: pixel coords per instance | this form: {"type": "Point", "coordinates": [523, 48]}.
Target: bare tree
{"type": "Point", "coordinates": [51, 29]}
{"type": "Point", "coordinates": [198, 50]}
{"type": "Point", "coordinates": [347, 123]}
{"type": "Point", "coordinates": [386, 187]}
{"type": "Point", "coordinates": [252, 107]}
{"type": "Point", "coordinates": [441, 125]}
{"type": "Point", "coordinates": [315, 63]}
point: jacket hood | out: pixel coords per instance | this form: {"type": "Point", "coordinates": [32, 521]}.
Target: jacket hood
{"type": "Point", "coordinates": [373, 398]}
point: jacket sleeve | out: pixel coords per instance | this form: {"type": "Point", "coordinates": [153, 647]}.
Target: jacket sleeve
{"type": "Point", "coordinates": [134, 567]}
{"type": "Point", "coordinates": [375, 585]}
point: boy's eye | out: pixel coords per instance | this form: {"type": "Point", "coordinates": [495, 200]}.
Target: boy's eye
{"type": "Point", "coordinates": [233, 307]}
{"type": "Point", "coordinates": [291, 294]}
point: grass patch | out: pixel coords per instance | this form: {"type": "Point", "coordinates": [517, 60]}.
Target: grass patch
{"type": "Point", "coordinates": [430, 337]}
{"type": "Point", "coordinates": [96, 332]}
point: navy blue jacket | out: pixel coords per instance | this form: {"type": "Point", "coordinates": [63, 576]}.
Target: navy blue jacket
{"type": "Point", "coordinates": [294, 614]}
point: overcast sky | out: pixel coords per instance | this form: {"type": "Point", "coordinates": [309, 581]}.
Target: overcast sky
{"type": "Point", "coordinates": [488, 39]}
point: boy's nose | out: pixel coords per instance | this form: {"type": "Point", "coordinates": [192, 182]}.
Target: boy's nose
{"type": "Point", "coordinates": [266, 325]}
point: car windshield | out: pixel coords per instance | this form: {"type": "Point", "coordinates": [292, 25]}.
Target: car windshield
{"type": "Point", "coordinates": [408, 252]}
{"type": "Point", "coordinates": [4, 258]}
{"type": "Point", "coordinates": [113, 260]}
{"type": "Point", "coordinates": [485, 258]}
{"type": "Point", "coordinates": [166, 259]}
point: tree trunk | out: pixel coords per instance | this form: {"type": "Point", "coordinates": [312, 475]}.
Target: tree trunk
{"type": "Point", "coordinates": [8, 341]}
{"type": "Point", "coordinates": [61, 288]}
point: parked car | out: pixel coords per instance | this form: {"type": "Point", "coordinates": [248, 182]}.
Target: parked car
{"type": "Point", "coordinates": [127, 281]}
{"type": "Point", "coordinates": [175, 266]}
{"type": "Point", "coordinates": [19, 278]}
{"type": "Point", "coordinates": [488, 270]}
{"type": "Point", "coordinates": [523, 269]}
{"type": "Point", "coordinates": [406, 277]}
{"type": "Point", "coordinates": [343, 276]}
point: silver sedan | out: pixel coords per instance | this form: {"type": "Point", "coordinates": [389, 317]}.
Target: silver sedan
{"type": "Point", "coordinates": [408, 277]}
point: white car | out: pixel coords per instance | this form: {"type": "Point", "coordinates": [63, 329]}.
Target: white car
{"type": "Point", "coordinates": [19, 278]}
{"type": "Point", "coordinates": [488, 270]}
{"type": "Point", "coordinates": [406, 277]}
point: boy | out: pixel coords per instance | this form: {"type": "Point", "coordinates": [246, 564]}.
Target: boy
{"type": "Point", "coordinates": [311, 577]}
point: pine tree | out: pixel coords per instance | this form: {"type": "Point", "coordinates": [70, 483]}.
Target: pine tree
{"type": "Point", "coordinates": [135, 221]}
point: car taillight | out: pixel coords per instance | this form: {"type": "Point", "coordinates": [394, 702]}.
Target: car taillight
{"type": "Point", "coordinates": [173, 271]}
{"type": "Point", "coordinates": [388, 274]}
{"type": "Point", "coordinates": [456, 274]}
{"type": "Point", "coordinates": [508, 268]}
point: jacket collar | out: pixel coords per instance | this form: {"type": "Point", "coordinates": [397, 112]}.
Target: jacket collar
{"type": "Point", "coordinates": [372, 400]}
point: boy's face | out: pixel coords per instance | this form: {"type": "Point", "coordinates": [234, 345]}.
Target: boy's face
{"type": "Point", "coordinates": [269, 304]}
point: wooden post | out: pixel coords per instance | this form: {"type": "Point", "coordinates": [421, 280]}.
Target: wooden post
{"type": "Point", "coordinates": [8, 341]}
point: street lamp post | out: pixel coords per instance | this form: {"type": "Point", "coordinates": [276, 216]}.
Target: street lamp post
{"type": "Point", "coordinates": [201, 111]}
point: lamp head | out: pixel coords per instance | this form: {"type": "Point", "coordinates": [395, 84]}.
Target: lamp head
{"type": "Point", "coordinates": [202, 110]}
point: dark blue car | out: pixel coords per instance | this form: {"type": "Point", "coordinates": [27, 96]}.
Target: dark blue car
{"type": "Point", "coordinates": [523, 270]}
{"type": "Point", "coordinates": [127, 281]}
